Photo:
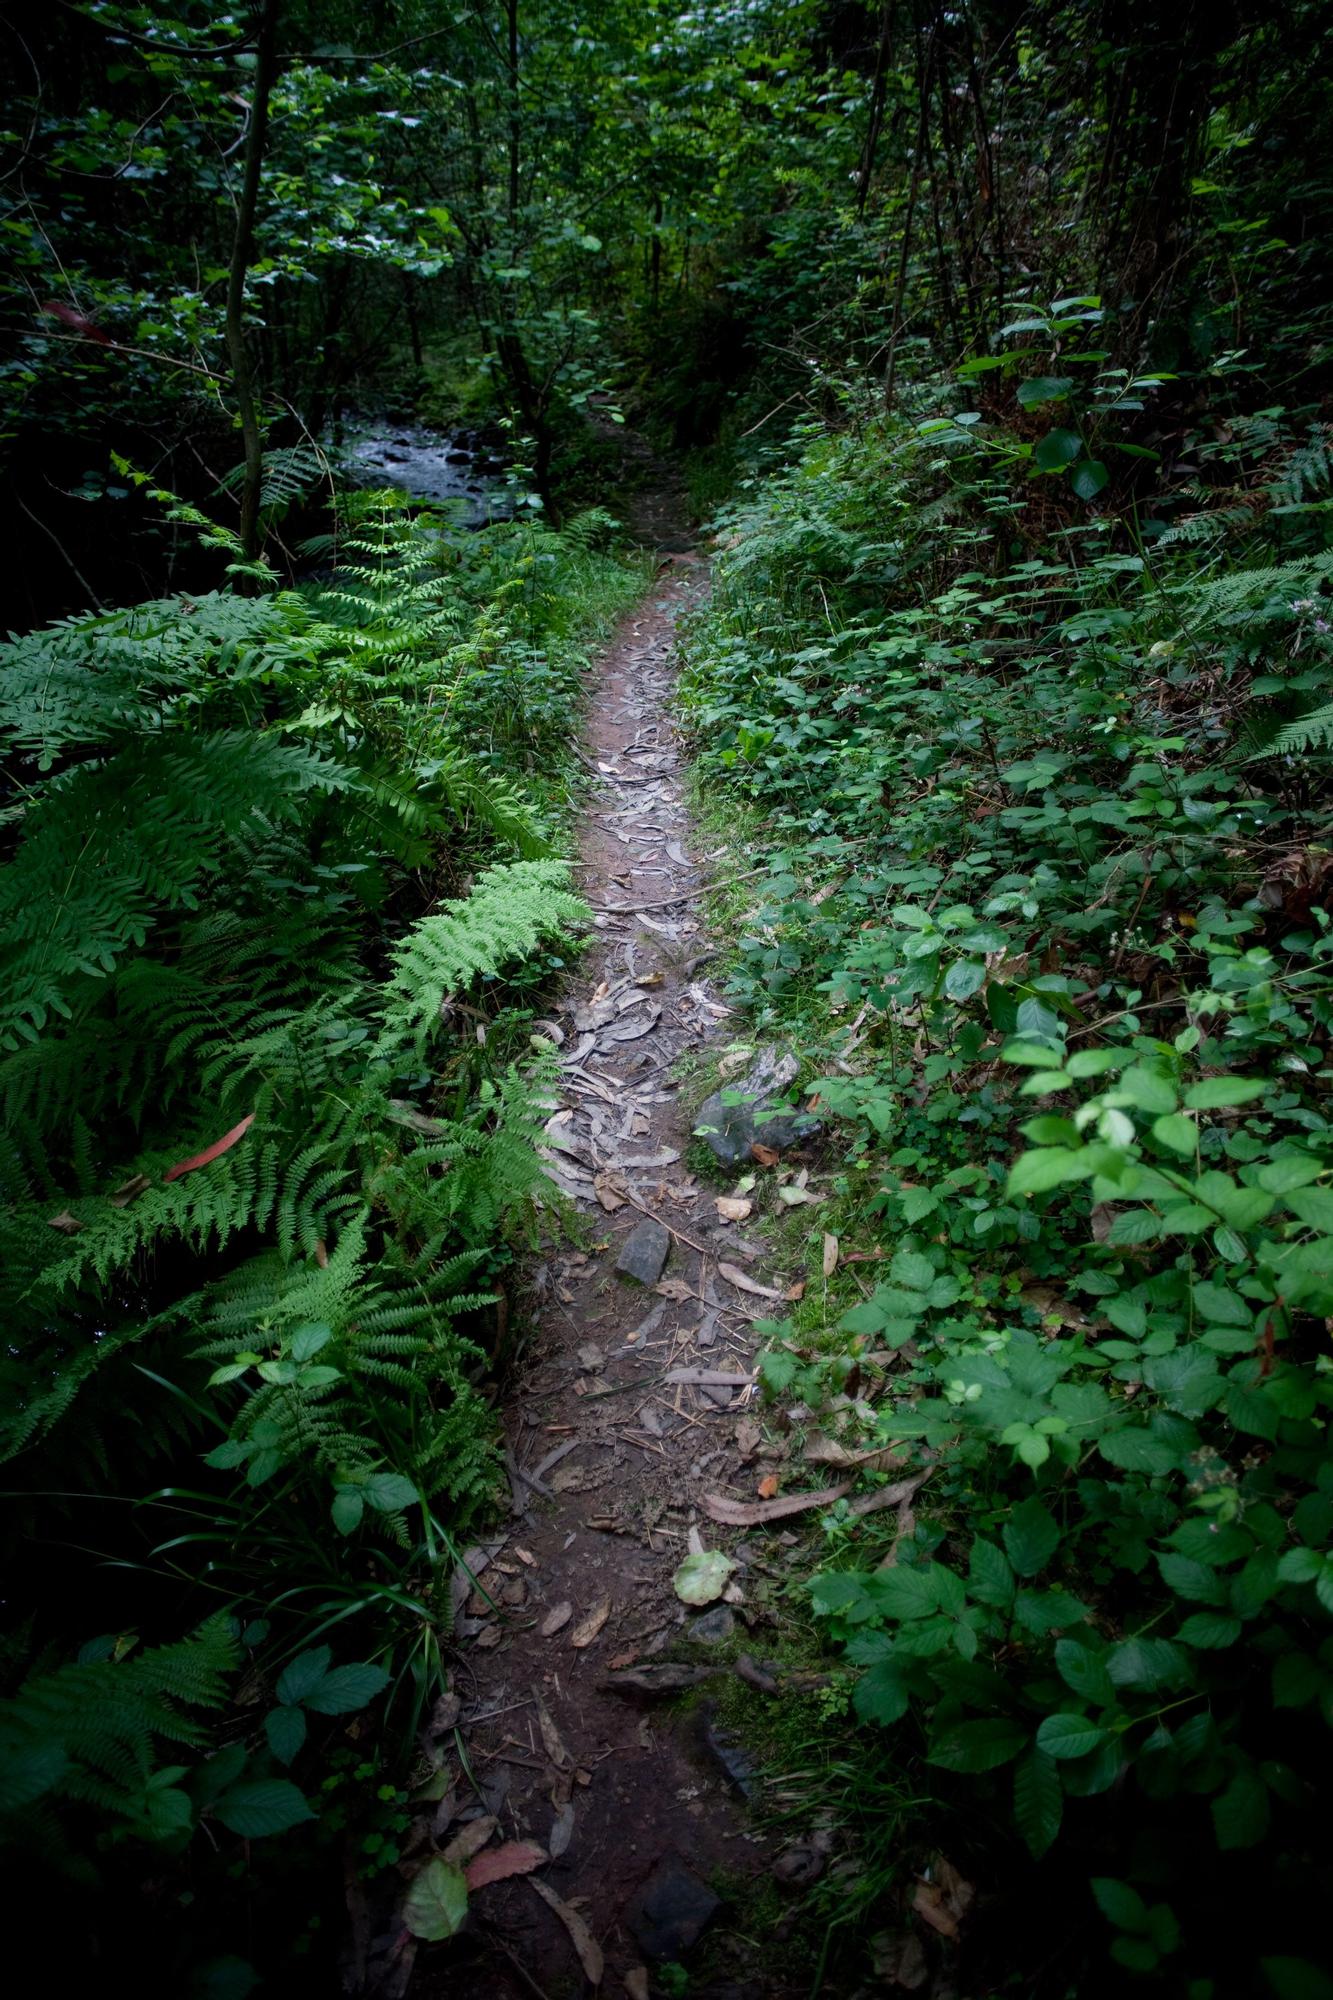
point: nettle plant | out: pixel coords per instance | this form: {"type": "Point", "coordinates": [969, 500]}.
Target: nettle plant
{"type": "Point", "coordinates": [1139, 1600]}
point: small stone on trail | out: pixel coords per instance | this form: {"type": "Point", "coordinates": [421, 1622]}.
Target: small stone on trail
{"type": "Point", "coordinates": [643, 1256]}
{"type": "Point", "coordinates": [713, 1628]}
{"type": "Point", "coordinates": [671, 1911]}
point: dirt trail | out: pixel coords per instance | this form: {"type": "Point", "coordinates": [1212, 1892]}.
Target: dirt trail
{"type": "Point", "coordinates": [641, 1810]}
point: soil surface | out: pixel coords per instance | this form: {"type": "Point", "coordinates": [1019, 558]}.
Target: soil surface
{"type": "Point", "coordinates": [636, 1400]}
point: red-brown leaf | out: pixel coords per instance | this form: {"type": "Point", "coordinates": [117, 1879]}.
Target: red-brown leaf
{"type": "Point", "coordinates": [213, 1152]}
{"type": "Point", "coordinates": [516, 1857]}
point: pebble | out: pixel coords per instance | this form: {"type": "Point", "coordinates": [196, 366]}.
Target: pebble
{"type": "Point", "coordinates": [671, 1911]}
{"type": "Point", "coordinates": [713, 1628]}
{"type": "Point", "coordinates": [644, 1253]}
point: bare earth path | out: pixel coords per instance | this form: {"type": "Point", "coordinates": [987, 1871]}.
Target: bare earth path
{"type": "Point", "coordinates": [610, 1446]}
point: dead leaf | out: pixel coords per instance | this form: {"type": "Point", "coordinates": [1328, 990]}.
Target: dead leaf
{"type": "Point", "coordinates": [821, 1450]}
{"type": "Point", "coordinates": [748, 1438]}
{"type": "Point", "coordinates": [890, 1496]}
{"type": "Point", "coordinates": [67, 1224]}
{"type": "Point", "coordinates": [551, 1742]}
{"type": "Point", "coordinates": [130, 1190]}
{"type": "Point", "coordinates": [732, 1208]}
{"type": "Point", "coordinates": [944, 1902]}
{"type": "Point", "coordinates": [516, 1857]}
{"type": "Point", "coordinates": [830, 1254]}
{"type": "Point", "coordinates": [636, 1983]}
{"type": "Point", "coordinates": [605, 1190]}
{"type": "Point", "coordinates": [743, 1283]}
{"type": "Point", "coordinates": [900, 1958]}
{"type": "Point", "coordinates": [557, 1618]}
{"type": "Point", "coordinates": [768, 1486]}
{"type": "Point", "coordinates": [587, 1629]}
{"type": "Point", "coordinates": [651, 979]}
{"type": "Point", "coordinates": [767, 1156]}
{"type": "Point", "coordinates": [753, 1513]}
{"type": "Point", "coordinates": [674, 1288]}
{"type": "Point", "coordinates": [796, 1291]}
{"type": "Point", "coordinates": [562, 1832]}
{"type": "Point", "coordinates": [585, 1944]}
{"type": "Point", "coordinates": [213, 1152]}
{"type": "Point", "coordinates": [664, 1677]}
{"type": "Point", "coordinates": [470, 1841]}
{"type": "Point", "coordinates": [794, 1195]}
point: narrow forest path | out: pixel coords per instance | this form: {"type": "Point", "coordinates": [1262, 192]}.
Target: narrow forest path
{"type": "Point", "coordinates": [634, 1400]}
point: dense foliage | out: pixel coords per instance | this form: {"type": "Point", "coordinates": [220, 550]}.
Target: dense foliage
{"type": "Point", "coordinates": [266, 1162]}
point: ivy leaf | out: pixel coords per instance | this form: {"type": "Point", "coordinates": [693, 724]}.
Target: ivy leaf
{"type": "Point", "coordinates": [1038, 1801]}
{"type": "Point", "coordinates": [436, 1904]}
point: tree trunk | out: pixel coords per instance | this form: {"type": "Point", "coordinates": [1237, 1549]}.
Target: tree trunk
{"type": "Point", "coordinates": [242, 366]}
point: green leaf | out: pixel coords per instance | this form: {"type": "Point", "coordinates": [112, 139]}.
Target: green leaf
{"type": "Point", "coordinates": [285, 1730]}
{"type": "Point", "coordinates": [389, 1492]}
{"type": "Point", "coordinates": [977, 1746]}
{"type": "Point", "coordinates": [308, 1340]}
{"type": "Point", "coordinates": [1048, 1167]}
{"type": "Point", "coordinates": [1121, 1905]}
{"type": "Point", "coordinates": [1031, 1537]}
{"type": "Point", "coordinates": [1216, 1092]}
{"type": "Point", "coordinates": [1300, 1566]}
{"type": "Point", "coordinates": [990, 1578]}
{"type": "Point", "coordinates": [1084, 1670]}
{"type": "Point", "coordinates": [1211, 1630]}
{"type": "Point", "coordinates": [1088, 478]}
{"type": "Point", "coordinates": [910, 1268]}
{"type": "Point", "coordinates": [1296, 1979]}
{"type": "Point", "coordinates": [348, 1507]}
{"type": "Point", "coordinates": [261, 1808]}
{"type": "Point", "coordinates": [881, 1694]}
{"type": "Point", "coordinates": [303, 1673]}
{"type": "Point", "coordinates": [346, 1688]}
{"type": "Point", "coordinates": [436, 1904]}
{"type": "Point", "coordinates": [702, 1578]}
{"type": "Point", "coordinates": [1057, 450]}
{"type": "Point", "coordinates": [965, 977]}
{"type": "Point", "coordinates": [1065, 1735]}
{"type": "Point", "coordinates": [1176, 1131]}
{"type": "Point", "coordinates": [1038, 1801]}
{"type": "Point", "coordinates": [1148, 1664]}
{"type": "Point", "coordinates": [1044, 389]}
{"type": "Point", "coordinates": [1314, 1206]}
{"type": "Point", "coordinates": [1240, 1814]}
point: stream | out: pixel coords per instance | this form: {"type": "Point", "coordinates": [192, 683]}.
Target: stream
{"type": "Point", "coordinates": [439, 466]}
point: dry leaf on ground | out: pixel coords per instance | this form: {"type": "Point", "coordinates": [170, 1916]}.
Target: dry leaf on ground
{"type": "Point", "coordinates": [470, 1841]}
{"type": "Point", "coordinates": [743, 1283]}
{"type": "Point", "coordinates": [830, 1254]}
{"type": "Point", "coordinates": [753, 1513]}
{"type": "Point", "coordinates": [556, 1618]}
{"type": "Point", "coordinates": [768, 1486]}
{"type": "Point", "coordinates": [516, 1857]}
{"type": "Point", "coordinates": [733, 1208]}
{"type": "Point", "coordinates": [587, 1628]}
{"type": "Point", "coordinates": [585, 1944]}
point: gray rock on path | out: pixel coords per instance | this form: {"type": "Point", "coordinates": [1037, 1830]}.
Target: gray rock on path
{"type": "Point", "coordinates": [671, 1911]}
{"type": "Point", "coordinates": [750, 1111]}
{"type": "Point", "coordinates": [713, 1628]}
{"type": "Point", "coordinates": [644, 1252]}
